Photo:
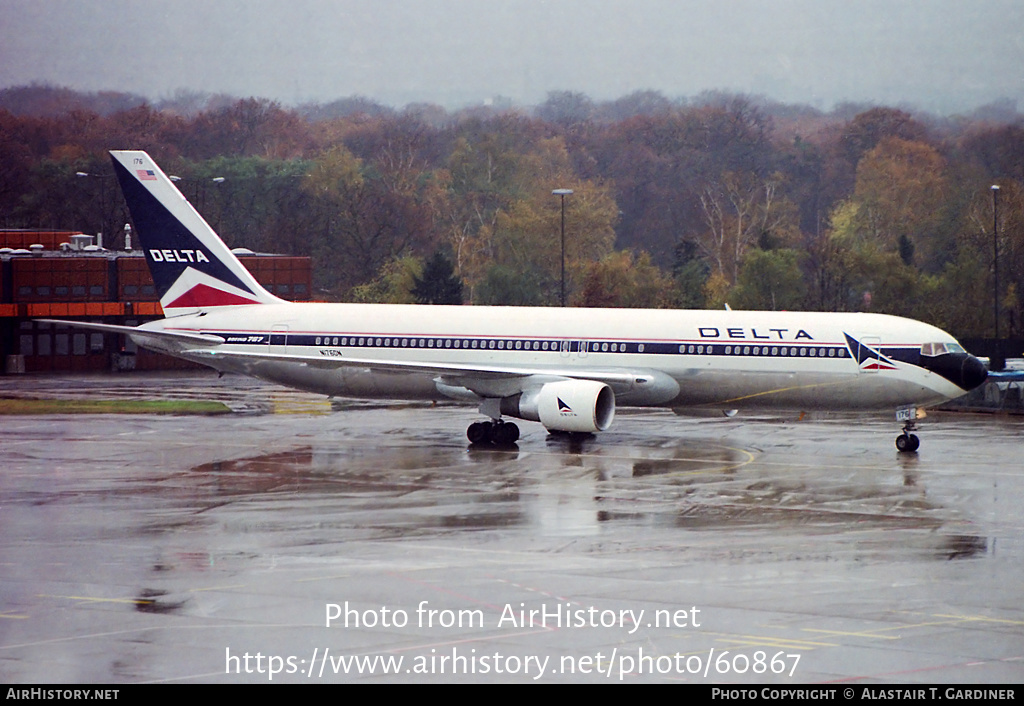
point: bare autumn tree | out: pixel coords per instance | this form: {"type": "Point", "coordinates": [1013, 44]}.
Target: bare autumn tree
{"type": "Point", "coordinates": [739, 210]}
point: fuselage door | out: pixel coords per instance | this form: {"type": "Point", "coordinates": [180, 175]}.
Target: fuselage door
{"type": "Point", "coordinates": [868, 358]}
{"type": "Point", "coordinates": [279, 339]}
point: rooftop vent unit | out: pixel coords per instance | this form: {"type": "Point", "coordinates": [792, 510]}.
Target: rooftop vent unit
{"type": "Point", "coordinates": [80, 241]}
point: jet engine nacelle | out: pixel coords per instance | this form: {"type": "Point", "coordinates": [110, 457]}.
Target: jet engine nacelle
{"type": "Point", "coordinates": [568, 405]}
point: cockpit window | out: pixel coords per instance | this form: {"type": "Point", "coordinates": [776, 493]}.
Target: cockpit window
{"type": "Point", "coordinates": [934, 349]}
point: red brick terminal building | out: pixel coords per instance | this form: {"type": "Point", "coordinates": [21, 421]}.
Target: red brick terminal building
{"type": "Point", "coordinates": [62, 275]}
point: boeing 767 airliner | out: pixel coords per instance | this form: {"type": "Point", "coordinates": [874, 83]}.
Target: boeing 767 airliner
{"type": "Point", "coordinates": [565, 368]}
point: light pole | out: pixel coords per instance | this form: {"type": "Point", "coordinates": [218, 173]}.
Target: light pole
{"type": "Point", "coordinates": [199, 189]}
{"type": "Point", "coordinates": [563, 193]}
{"type": "Point", "coordinates": [995, 255]}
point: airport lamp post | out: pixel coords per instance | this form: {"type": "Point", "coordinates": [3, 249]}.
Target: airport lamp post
{"type": "Point", "coordinates": [995, 256]}
{"type": "Point", "coordinates": [199, 189]}
{"type": "Point", "coordinates": [563, 193]}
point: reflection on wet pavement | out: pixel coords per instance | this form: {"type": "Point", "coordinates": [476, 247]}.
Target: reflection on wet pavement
{"type": "Point", "coordinates": [693, 485]}
{"type": "Point", "coordinates": [139, 548]}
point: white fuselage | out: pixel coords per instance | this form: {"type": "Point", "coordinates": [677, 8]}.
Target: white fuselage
{"type": "Point", "coordinates": [726, 359]}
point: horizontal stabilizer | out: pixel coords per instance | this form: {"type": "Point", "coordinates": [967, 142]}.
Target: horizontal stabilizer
{"type": "Point", "coordinates": [180, 336]}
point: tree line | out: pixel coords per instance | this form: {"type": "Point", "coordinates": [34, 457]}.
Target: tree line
{"type": "Point", "coordinates": [720, 199]}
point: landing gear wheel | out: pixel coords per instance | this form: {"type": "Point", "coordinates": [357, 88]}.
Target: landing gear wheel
{"type": "Point", "coordinates": [504, 434]}
{"type": "Point", "coordinates": [479, 433]}
{"type": "Point", "coordinates": [908, 443]}
{"type": "Point", "coordinates": [498, 433]}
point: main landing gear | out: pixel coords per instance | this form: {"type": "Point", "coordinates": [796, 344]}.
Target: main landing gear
{"type": "Point", "coordinates": [907, 441]}
{"type": "Point", "coordinates": [497, 432]}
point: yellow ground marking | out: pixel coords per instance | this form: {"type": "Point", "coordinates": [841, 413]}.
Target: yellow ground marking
{"type": "Point", "coordinates": [776, 391]}
{"type": "Point", "coordinates": [93, 599]}
{"type": "Point", "coordinates": [769, 641]}
{"type": "Point", "coordinates": [948, 620]}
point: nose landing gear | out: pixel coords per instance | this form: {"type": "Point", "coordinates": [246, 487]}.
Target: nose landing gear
{"type": "Point", "coordinates": [907, 442]}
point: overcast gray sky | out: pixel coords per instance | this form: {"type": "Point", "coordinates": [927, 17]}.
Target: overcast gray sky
{"type": "Point", "coordinates": [945, 55]}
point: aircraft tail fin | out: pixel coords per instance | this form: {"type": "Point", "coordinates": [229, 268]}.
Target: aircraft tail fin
{"type": "Point", "coordinates": [191, 266]}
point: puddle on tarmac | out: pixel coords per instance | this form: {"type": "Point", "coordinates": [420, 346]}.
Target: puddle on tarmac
{"type": "Point", "coordinates": [572, 488]}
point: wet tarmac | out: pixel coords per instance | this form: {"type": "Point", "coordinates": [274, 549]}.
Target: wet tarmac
{"type": "Point", "coordinates": [293, 541]}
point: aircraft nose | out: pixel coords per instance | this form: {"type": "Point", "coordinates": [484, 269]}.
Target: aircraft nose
{"type": "Point", "coordinates": [972, 372]}
{"type": "Point", "coordinates": [962, 369]}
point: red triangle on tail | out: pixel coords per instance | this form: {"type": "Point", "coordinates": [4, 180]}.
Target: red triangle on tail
{"type": "Point", "coordinates": [204, 295]}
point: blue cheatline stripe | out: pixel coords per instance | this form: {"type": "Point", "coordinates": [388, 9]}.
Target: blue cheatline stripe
{"type": "Point", "coordinates": [548, 345]}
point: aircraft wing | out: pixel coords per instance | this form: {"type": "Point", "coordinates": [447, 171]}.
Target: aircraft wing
{"type": "Point", "coordinates": [476, 377]}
